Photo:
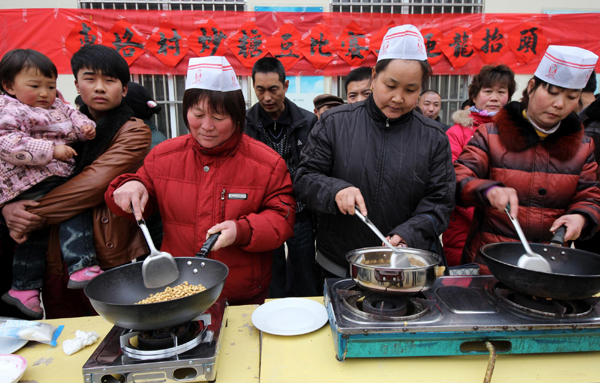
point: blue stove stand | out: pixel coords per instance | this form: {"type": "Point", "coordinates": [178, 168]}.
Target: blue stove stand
{"type": "Point", "coordinates": [579, 335]}
{"type": "Point", "coordinates": [462, 343]}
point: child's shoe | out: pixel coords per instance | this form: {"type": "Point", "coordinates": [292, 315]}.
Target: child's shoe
{"type": "Point", "coordinates": [80, 278]}
{"type": "Point", "coordinates": [27, 301]}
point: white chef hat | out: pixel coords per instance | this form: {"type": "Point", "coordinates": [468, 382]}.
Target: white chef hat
{"type": "Point", "coordinates": [212, 73]}
{"type": "Point", "coordinates": [567, 67]}
{"type": "Point", "coordinates": [403, 42]}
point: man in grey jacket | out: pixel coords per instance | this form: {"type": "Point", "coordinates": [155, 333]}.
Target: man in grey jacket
{"type": "Point", "coordinates": [283, 126]}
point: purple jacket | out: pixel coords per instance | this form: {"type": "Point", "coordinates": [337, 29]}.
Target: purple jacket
{"type": "Point", "coordinates": [27, 138]}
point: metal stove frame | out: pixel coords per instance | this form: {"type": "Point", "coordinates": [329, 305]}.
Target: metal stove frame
{"type": "Point", "coordinates": [196, 365]}
{"type": "Point", "coordinates": [459, 327]}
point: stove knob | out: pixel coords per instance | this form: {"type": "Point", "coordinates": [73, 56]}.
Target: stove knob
{"type": "Point", "coordinates": [189, 263]}
{"type": "Point", "coordinates": [195, 271]}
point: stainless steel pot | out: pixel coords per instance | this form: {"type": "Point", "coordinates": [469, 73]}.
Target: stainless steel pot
{"type": "Point", "coordinates": [370, 267]}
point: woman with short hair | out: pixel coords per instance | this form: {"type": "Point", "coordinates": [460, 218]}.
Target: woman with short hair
{"type": "Point", "coordinates": [215, 179]}
{"type": "Point", "coordinates": [536, 158]}
{"type": "Point", "coordinates": [382, 157]}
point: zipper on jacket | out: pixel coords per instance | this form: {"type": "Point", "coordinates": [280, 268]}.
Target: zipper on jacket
{"type": "Point", "coordinates": [381, 165]}
{"type": "Point", "coordinates": [223, 204]}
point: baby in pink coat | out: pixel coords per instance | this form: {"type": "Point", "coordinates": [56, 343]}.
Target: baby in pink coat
{"type": "Point", "coordinates": [36, 129]}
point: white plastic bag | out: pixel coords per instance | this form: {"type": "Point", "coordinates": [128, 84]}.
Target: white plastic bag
{"type": "Point", "coordinates": [30, 330]}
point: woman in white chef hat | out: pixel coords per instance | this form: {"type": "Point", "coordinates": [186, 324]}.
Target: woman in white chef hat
{"type": "Point", "coordinates": [381, 156]}
{"type": "Point", "coordinates": [536, 158]}
{"type": "Point", "coordinates": [215, 179]}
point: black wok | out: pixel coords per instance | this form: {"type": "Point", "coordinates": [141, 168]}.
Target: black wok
{"type": "Point", "coordinates": [576, 273]}
{"type": "Point", "coordinates": [115, 292]}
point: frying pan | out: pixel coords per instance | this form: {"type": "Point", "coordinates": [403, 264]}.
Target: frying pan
{"type": "Point", "coordinates": [575, 273]}
{"type": "Point", "coordinates": [113, 294]}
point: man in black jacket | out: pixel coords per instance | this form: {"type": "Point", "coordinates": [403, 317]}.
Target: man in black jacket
{"type": "Point", "coordinates": [284, 127]}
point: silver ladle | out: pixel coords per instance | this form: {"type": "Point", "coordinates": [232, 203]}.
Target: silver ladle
{"type": "Point", "coordinates": [398, 260]}
{"type": "Point", "coordinates": [529, 260]}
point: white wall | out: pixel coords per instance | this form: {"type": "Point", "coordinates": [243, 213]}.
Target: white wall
{"type": "Point", "coordinates": [539, 6]}
{"type": "Point", "coordinates": [66, 84]}
{"type": "Point", "coordinates": [6, 4]}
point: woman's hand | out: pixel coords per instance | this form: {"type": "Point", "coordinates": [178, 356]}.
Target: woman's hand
{"type": "Point", "coordinates": [499, 197]}
{"type": "Point", "coordinates": [349, 197]}
{"type": "Point", "coordinates": [574, 224]}
{"type": "Point", "coordinates": [18, 219]}
{"type": "Point", "coordinates": [396, 240]}
{"type": "Point", "coordinates": [132, 193]}
{"type": "Point", "coordinates": [228, 234]}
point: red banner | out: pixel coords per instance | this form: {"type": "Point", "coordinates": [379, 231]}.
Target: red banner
{"type": "Point", "coordinates": [162, 42]}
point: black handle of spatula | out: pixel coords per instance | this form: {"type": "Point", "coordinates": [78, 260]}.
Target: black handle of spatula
{"type": "Point", "coordinates": [208, 245]}
{"type": "Point", "coordinates": [139, 221]}
{"type": "Point", "coordinates": [559, 236]}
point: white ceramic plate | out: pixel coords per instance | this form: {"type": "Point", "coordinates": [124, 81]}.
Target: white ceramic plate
{"type": "Point", "coordinates": [290, 316]}
{"type": "Point", "coordinates": [10, 345]}
{"type": "Point", "coordinates": [12, 368]}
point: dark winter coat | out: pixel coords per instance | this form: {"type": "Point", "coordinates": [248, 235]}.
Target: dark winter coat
{"type": "Point", "coordinates": [553, 177]}
{"type": "Point", "coordinates": [403, 168]}
{"type": "Point", "coordinates": [302, 123]}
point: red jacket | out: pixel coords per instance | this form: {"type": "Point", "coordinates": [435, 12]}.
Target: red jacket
{"type": "Point", "coordinates": [196, 188]}
{"type": "Point", "coordinates": [553, 177]}
{"type": "Point", "coordinates": [460, 221]}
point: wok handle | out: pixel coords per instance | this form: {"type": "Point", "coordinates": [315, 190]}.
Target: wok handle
{"type": "Point", "coordinates": [559, 236]}
{"type": "Point", "coordinates": [208, 245]}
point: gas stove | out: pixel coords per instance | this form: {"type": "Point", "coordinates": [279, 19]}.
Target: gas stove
{"type": "Point", "coordinates": [187, 352]}
{"type": "Point", "coordinates": [456, 316]}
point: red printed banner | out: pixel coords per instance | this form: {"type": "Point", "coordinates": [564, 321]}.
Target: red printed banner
{"type": "Point", "coordinates": [126, 40]}
{"type": "Point", "coordinates": [84, 33]}
{"type": "Point", "coordinates": [433, 43]}
{"type": "Point", "coordinates": [168, 44]}
{"type": "Point", "coordinates": [377, 38]}
{"type": "Point", "coordinates": [285, 46]}
{"type": "Point", "coordinates": [458, 46]}
{"type": "Point", "coordinates": [153, 47]}
{"type": "Point", "coordinates": [208, 40]}
{"type": "Point", "coordinates": [249, 44]}
{"type": "Point", "coordinates": [491, 43]}
{"type": "Point", "coordinates": [528, 41]}
{"type": "Point", "coordinates": [352, 45]}
{"type": "Point", "coordinates": [317, 46]}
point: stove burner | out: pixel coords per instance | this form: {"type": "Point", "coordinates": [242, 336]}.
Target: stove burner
{"type": "Point", "coordinates": [385, 305]}
{"type": "Point", "coordinates": [164, 343]}
{"type": "Point", "coordinates": [165, 338]}
{"type": "Point", "coordinates": [542, 306]}
{"type": "Point", "coordinates": [377, 306]}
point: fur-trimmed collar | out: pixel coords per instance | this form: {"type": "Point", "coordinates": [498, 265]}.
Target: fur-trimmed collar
{"type": "Point", "coordinates": [517, 134]}
{"type": "Point", "coordinates": [106, 128]}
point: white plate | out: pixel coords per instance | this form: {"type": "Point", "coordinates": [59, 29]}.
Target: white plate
{"type": "Point", "coordinates": [290, 316]}
{"type": "Point", "coordinates": [10, 345]}
{"type": "Point", "coordinates": [12, 368]}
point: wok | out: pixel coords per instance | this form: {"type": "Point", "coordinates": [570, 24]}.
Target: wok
{"type": "Point", "coordinates": [575, 273]}
{"type": "Point", "coordinates": [114, 293]}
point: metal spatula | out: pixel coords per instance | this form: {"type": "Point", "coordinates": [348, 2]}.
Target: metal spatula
{"type": "Point", "coordinates": [159, 268]}
{"type": "Point", "coordinates": [529, 260]}
{"type": "Point", "coordinates": [398, 260]}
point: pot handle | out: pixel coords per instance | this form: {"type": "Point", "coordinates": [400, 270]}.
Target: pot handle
{"type": "Point", "coordinates": [559, 236]}
{"type": "Point", "coordinates": [385, 275]}
{"type": "Point", "coordinates": [208, 245]}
